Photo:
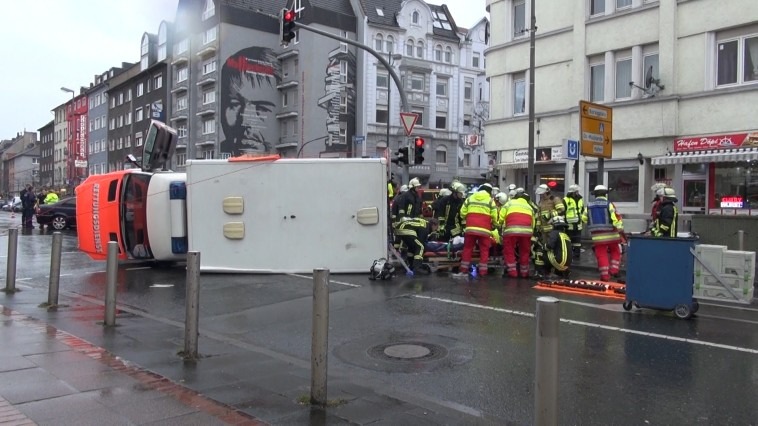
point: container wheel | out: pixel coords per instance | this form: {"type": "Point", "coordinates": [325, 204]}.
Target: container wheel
{"type": "Point", "coordinates": [695, 306]}
{"type": "Point", "coordinates": [627, 305]}
{"type": "Point", "coordinates": [682, 311]}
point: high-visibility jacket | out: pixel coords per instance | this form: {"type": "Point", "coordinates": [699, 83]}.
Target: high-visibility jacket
{"type": "Point", "coordinates": [51, 198]}
{"type": "Point", "coordinates": [517, 217]}
{"type": "Point", "coordinates": [665, 222]}
{"type": "Point", "coordinates": [390, 191]}
{"type": "Point", "coordinates": [480, 214]}
{"type": "Point", "coordinates": [574, 211]}
{"type": "Point", "coordinates": [602, 221]}
{"type": "Point", "coordinates": [549, 208]}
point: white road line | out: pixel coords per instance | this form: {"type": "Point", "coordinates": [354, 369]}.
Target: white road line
{"type": "Point", "coordinates": [594, 325]}
{"type": "Point", "coordinates": [66, 275]}
{"type": "Point", "coordinates": [23, 279]}
{"type": "Point", "coordinates": [330, 280]}
{"type": "Point", "coordinates": [138, 268]}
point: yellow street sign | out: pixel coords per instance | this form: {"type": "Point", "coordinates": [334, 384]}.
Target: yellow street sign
{"type": "Point", "coordinates": [596, 130]}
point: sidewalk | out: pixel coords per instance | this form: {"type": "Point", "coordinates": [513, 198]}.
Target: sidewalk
{"type": "Point", "coordinates": [132, 375]}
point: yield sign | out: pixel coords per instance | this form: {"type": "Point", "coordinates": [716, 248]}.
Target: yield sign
{"type": "Point", "coordinates": [409, 121]}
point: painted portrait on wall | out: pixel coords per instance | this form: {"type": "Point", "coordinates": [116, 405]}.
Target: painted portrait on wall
{"type": "Point", "coordinates": [248, 101]}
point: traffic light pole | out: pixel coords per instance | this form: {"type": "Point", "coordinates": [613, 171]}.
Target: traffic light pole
{"type": "Point", "coordinates": [403, 97]}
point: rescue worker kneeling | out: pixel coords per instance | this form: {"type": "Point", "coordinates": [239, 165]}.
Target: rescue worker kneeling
{"type": "Point", "coordinates": [414, 234]}
{"type": "Point", "coordinates": [558, 249]}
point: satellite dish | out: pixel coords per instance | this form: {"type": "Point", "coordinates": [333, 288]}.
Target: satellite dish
{"type": "Point", "coordinates": [650, 80]}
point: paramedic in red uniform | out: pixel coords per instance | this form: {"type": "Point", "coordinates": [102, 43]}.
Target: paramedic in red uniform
{"type": "Point", "coordinates": [480, 215]}
{"type": "Point", "coordinates": [517, 217]}
{"type": "Point", "coordinates": [606, 227]}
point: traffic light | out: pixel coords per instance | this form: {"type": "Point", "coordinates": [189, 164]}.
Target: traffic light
{"type": "Point", "coordinates": [402, 156]}
{"type": "Point", "coordinates": [418, 150]}
{"type": "Point", "coordinates": [287, 26]}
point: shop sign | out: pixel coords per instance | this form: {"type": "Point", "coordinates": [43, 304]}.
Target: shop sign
{"type": "Point", "coordinates": [541, 155]}
{"type": "Point", "coordinates": [700, 143]}
{"type": "Point", "coordinates": [736, 202]}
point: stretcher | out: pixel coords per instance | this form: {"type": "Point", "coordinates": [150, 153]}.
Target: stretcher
{"type": "Point", "coordinates": [447, 260]}
{"type": "Point", "coordinates": [594, 288]}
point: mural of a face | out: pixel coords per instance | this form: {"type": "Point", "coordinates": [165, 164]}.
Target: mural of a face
{"type": "Point", "coordinates": [248, 93]}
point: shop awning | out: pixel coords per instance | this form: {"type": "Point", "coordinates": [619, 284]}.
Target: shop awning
{"type": "Point", "coordinates": [714, 156]}
{"type": "Point", "coordinates": [510, 166]}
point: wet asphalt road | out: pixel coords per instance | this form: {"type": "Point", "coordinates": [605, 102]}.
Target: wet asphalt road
{"type": "Point", "coordinates": [643, 367]}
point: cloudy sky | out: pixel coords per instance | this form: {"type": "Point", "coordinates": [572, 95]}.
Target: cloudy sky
{"type": "Point", "coordinates": [49, 44]}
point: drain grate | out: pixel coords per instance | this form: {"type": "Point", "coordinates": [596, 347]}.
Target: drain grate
{"type": "Point", "coordinates": [407, 351]}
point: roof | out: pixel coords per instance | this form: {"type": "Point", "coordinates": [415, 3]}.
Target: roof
{"type": "Point", "coordinates": [264, 6]}
{"type": "Point", "coordinates": [50, 124]}
{"type": "Point", "coordinates": [342, 7]}
{"type": "Point", "coordinates": [443, 26]}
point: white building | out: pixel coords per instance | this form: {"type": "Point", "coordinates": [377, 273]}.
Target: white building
{"type": "Point", "coordinates": [442, 70]}
{"type": "Point", "coordinates": [689, 127]}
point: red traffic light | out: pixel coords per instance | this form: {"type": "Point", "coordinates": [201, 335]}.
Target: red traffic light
{"type": "Point", "coordinates": [289, 16]}
{"type": "Point", "coordinates": [419, 142]}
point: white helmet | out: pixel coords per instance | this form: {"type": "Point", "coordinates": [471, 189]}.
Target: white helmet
{"type": "Point", "coordinates": [501, 198]}
{"type": "Point", "coordinates": [600, 188]}
{"type": "Point", "coordinates": [403, 188]}
{"type": "Point", "coordinates": [542, 189]}
{"type": "Point", "coordinates": [512, 187]}
{"type": "Point", "coordinates": [668, 192]}
{"type": "Point", "coordinates": [659, 191]}
{"type": "Point", "coordinates": [657, 186]}
{"type": "Point", "coordinates": [519, 190]}
{"type": "Point", "coordinates": [485, 187]}
{"type": "Point", "coordinates": [414, 183]}
{"type": "Point", "coordinates": [459, 188]}
{"type": "Point", "coordinates": [574, 188]}
{"type": "Point", "coordinates": [444, 192]}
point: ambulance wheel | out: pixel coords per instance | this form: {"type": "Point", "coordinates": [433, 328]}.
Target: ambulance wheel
{"type": "Point", "coordinates": [695, 306]}
{"type": "Point", "coordinates": [627, 305]}
{"type": "Point", "coordinates": [682, 311]}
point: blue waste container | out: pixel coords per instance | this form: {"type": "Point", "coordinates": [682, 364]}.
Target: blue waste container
{"type": "Point", "coordinates": [659, 274]}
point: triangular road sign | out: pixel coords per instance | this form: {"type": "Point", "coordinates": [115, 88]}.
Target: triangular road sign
{"type": "Point", "coordinates": [409, 121]}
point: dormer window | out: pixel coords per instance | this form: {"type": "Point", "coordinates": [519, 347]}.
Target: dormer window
{"type": "Point", "coordinates": [380, 11]}
{"type": "Point", "coordinates": [144, 52]}
{"type": "Point", "coordinates": [162, 42]}
{"type": "Point", "coordinates": [210, 9]}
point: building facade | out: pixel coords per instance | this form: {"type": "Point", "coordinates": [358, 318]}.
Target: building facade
{"type": "Point", "coordinates": [680, 76]}
{"type": "Point", "coordinates": [20, 163]}
{"type": "Point", "coordinates": [76, 141]}
{"type": "Point", "coordinates": [47, 146]}
{"type": "Point", "coordinates": [97, 113]}
{"type": "Point", "coordinates": [60, 138]}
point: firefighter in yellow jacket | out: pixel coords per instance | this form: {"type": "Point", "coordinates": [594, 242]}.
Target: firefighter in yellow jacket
{"type": "Point", "coordinates": [480, 215]}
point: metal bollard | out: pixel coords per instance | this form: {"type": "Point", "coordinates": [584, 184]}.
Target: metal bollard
{"type": "Point", "coordinates": [546, 366]}
{"type": "Point", "coordinates": [111, 272]}
{"type": "Point", "coordinates": [55, 270]}
{"type": "Point", "coordinates": [741, 240]}
{"type": "Point", "coordinates": [10, 269]}
{"type": "Point", "coordinates": [320, 337]}
{"type": "Point", "coordinates": [192, 311]}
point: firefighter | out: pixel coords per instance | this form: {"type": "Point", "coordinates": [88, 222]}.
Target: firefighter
{"type": "Point", "coordinates": [574, 209]}
{"type": "Point", "coordinates": [668, 215]}
{"type": "Point", "coordinates": [517, 217]}
{"type": "Point", "coordinates": [606, 229]}
{"type": "Point", "coordinates": [451, 227]}
{"type": "Point", "coordinates": [558, 249]}
{"type": "Point", "coordinates": [549, 207]}
{"type": "Point", "coordinates": [414, 234]}
{"type": "Point", "coordinates": [437, 205]}
{"type": "Point", "coordinates": [512, 190]}
{"type": "Point", "coordinates": [408, 203]}
{"type": "Point", "coordinates": [500, 199]}
{"type": "Point", "coordinates": [480, 216]}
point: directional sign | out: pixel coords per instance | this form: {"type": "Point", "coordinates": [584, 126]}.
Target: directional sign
{"type": "Point", "coordinates": [409, 121]}
{"type": "Point", "coordinates": [596, 129]}
{"type": "Point", "coordinates": [572, 149]}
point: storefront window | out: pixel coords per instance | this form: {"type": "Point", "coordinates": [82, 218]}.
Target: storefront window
{"type": "Point", "coordinates": [694, 194]}
{"type": "Point", "coordinates": [736, 185]}
{"type": "Point", "coordinates": [554, 181]}
{"type": "Point", "coordinates": [625, 185]}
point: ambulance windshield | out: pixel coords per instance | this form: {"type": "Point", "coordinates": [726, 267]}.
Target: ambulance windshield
{"type": "Point", "coordinates": [134, 214]}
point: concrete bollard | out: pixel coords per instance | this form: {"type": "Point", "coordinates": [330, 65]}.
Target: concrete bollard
{"type": "Point", "coordinates": [111, 273]}
{"type": "Point", "coordinates": [546, 366]}
{"type": "Point", "coordinates": [10, 269]}
{"type": "Point", "coordinates": [741, 240]}
{"type": "Point", "coordinates": [55, 270]}
{"type": "Point", "coordinates": [192, 311]}
{"type": "Point", "coordinates": [320, 337]}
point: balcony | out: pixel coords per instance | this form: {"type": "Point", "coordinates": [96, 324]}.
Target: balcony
{"type": "Point", "coordinates": [207, 50]}
{"type": "Point", "coordinates": [287, 54]}
{"type": "Point", "coordinates": [178, 89]}
{"type": "Point", "coordinates": [288, 84]}
{"type": "Point", "coordinates": [180, 60]}
{"type": "Point", "coordinates": [287, 114]}
{"type": "Point", "coordinates": [181, 116]}
{"type": "Point", "coordinates": [208, 110]}
{"type": "Point", "coordinates": [206, 81]}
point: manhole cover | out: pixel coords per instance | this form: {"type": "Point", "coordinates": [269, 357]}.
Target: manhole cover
{"type": "Point", "coordinates": [406, 351]}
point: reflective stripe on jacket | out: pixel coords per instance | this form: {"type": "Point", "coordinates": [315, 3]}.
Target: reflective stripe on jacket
{"type": "Point", "coordinates": [574, 211]}
{"type": "Point", "coordinates": [480, 213]}
{"type": "Point", "coordinates": [517, 217]}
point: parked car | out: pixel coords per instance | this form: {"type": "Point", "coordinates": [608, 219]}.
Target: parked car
{"type": "Point", "coordinates": [58, 216]}
{"type": "Point", "coordinates": [13, 205]}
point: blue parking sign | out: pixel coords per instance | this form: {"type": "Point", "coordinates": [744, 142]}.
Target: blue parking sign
{"type": "Point", "coordinates": [572, 149]}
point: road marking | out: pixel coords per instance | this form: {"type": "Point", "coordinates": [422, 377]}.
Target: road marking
{"type": "Point", "coordinates": [137, 268]}
{"type": "Point", "coordinates": [161, 285]}
{"type": "Point", "coordinates": [71, 252]}
{"type": "Point", "coordinates": [594, 325]}
{"type": "Point", "coordinates": [23, 279]}
{"type": "Point", "coordinates": [330, 280]}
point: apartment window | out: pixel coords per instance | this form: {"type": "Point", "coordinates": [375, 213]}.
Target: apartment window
{"type": "Point", "coordinates": [209, 10]}
{"type": "Point", "coordinates": [448, 55]}
{"type": "Point", "coordinates": [420, 113]}
{"type": "Point", "coordinates": [138, 139]}
{"type": "Point", "coordinates": [209, 96]}
{"type": "Point", "coordinates": [468, 89]}
{"type": "Point", "coordinates": [382, 81]}
{"type": "Point", "coordinates": [128, 142]}
{"type": "Point", "coordinates": [120, 98]}
{"type": "Point", "coordinates": [181, 47]}
{"type": "Point", "coordinates": [442, 87]}
{"type": "Point", "coordinates": [112, 124]}
{"type": "Point", "coordinates": [737, 60]}
{"type": "Point", "coordinates": [381, 115]}
{"type": "Point", "coordinates": [378, 43]}
{"type": "Point", "coordinates": [208, 155]}
{"type": "Point", "coordinates": [181, 159]}
{"type": "Point", "coordinates": [140, 89]}
{"type": "Point", "coordinates": [519, 93]}
{"type": "Point", "coordinates": [129, 95]}
{"type": "Point", "coordinates": [409, 48]}
{"type": "Point", "coordinates": [389, 44]}
{"type": "Point", "coordinates": [519, 18]}
{"type": "Point", "coordinates": [209, 66]}
{"type": "Point", "coordinates": [623, 4]}
{"type": "Point", "coordinates": [285, 99]}
{"type": "Point", "coordinates": [113, 104]}
{"type": "Point", "coordinates": [111, 145]}
{"type": "Point", "coordinates": [181, 103]}
{"type": "Point", "coordinates": [420, 49]}
{"type": "Point", "coordinates": [438, 53]}
{"type": "Point", "coordinates": [181, 130]}
{"type": "Point", "coordinates": [417, 81]}
{"type": "Point", "coordinates": [120, 121]}
{"type": "Point", "coordinates": [209, 35]}
{"type": "Point", "coordinates": [597, 7]}
{"type": "Point", "coordinates": [440, 122]}
{"type": "Point", "coordinates": [128, 118]}
{"type": "Point", "coordinates": [181, 74]}
{"type": "Point", "coordinates": [120, 143]}
{"type": "Point", "coordinates": [440, 156]}
{"type": "Point", "coordinates": [415, 17]}
{"type": "Point", "coordinates": [623, 77]}
{"type": "Point", "coordinates": [466, 120]}
{"type": "Point", "coordinates": [209, 126]}
{"type": "Point", "coordinates": [138, 114]}
{"type": "Point", "coordinates": [475, 60]}
{"type": "Point", "coordinates": [597, 83]}
{"type": "Point", "coordinates": [158, 81]}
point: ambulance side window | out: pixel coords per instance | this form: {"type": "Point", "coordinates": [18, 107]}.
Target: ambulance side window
{"type": "Point", "coordinates": [112, 188]}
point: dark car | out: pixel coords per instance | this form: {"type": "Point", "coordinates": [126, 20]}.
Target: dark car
{"type": "Point", "coordinates": [58, 216]}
